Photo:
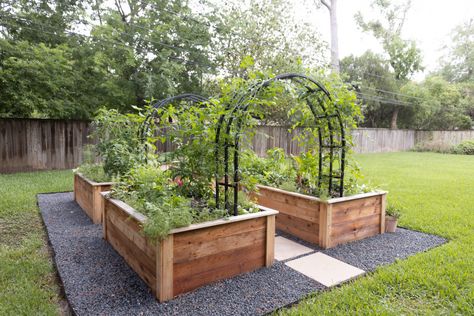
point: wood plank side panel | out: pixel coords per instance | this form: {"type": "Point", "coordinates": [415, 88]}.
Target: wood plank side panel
{"type": "Point", "coordinates": [300, 228]}
{"type": "Point", "coordinates": [193, 274]}
{"type": "Point", "coordinates": [207, 255]}
{"type": "Point", "coordinates": [164, 269]}
{"type": "Point", "coordinates": [290, 204]}
{"type": "Point", "coordinates": [355, 219]}
{"type": "Point", "coordinates": [84, 195]}
{"type": "Point", "coordinates": [123, 241]}
{"type": "Point", "coordinates": [270, 242]}
{"type": "Point", "coordinates": [298, 216]}
{"type": "Point", "coordinates": [89, 198]}
{"type": "Point", "coordinates": [353, 209]}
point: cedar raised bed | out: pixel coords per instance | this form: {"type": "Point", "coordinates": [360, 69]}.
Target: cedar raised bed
{"type": "Point", "coordinates": [326, 222]}
{"type": "Point", "coordinates": [87, 195]}
{"type": "Point", "coordinates": [191, 256]}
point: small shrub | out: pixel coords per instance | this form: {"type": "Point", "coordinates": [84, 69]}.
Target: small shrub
{"type": "Point", "coordinates": [436, 146]}
{"type": "Point", "coordinates": [464, 148]}
{"type": "Point", "coordinates": [394, 209]}
{"type": "Point", "coordinates": [118, 144]}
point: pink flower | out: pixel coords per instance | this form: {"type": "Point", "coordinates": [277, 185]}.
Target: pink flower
{"type": "Point", "coordinates": [178, 181]}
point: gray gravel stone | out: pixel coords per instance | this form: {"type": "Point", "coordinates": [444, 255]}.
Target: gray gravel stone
{"type": "Point", "coordinates": [97, 280]}
{"type": "Point", "coordinates": [367, 254]}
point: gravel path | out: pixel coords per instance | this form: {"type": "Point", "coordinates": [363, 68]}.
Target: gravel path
{"type": "Point", "coordinates": [367, 254]}
{"type": "Point", "coordinates": [97, 280]}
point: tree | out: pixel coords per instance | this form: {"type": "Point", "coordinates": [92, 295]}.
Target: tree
{"type": "Point", "coordinates": [266, 31]}
{"type": "Point", "coordinates": [458, 63]}
{"type": "Point", "coordinates": [332, 7]}
{"type": "Point", "coordinates": [39, 75]}
{"type": "Point", "coordinates": [375, 84]}
{"type": "Point", "coordinates": [436, 104]}
{"type": "Point", "coordinates": [151, 49]}
{"type": "Point", "coordinates": [403, 55]}
{"type": "Point", "coordinates": [137, 50]}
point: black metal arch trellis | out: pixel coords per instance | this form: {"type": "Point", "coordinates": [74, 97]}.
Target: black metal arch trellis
{"type": "Point", "coordinates": [144, 128]}
{"type": "Point", "coordinates": [241, 104]}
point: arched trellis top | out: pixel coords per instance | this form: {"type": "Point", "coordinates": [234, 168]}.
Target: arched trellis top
{"type": "Point", "coordinates": [328, 146]}
{"type": "Point", "coordinates": [153, 114]}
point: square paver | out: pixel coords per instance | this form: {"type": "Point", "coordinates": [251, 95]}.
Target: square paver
{"type": "Point", "coordinates": [286, 249]}
{"type": "Point", "coordinates": [324, 269]}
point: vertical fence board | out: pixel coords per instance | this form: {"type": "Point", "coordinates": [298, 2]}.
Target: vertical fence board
{"type": "Point", "coordinates": [34, 144]}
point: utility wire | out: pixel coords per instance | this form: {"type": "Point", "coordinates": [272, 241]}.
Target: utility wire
{"type": "Point", "coordinates": [116, 42]}
{"type": "Point", "coordinates": [380, 99]}
{"type": "Point", "coordinates": [394, 93]}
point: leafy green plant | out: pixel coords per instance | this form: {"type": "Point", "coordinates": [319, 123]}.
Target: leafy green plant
{"type": "Point", "coordinates": [273, 170]}
{"type": "Point", "coordinates": [394, 209]}
{"type": "Point", "coordinates": [464, 148]}
{"type": "Point", "coordinates": [118, 143]}
{"type": "Point", "coordinates": [90, 168]}
{"type": "Point", "coordinates": [94, 172]}
{"type": "Point", "coordinates": [149, 190]}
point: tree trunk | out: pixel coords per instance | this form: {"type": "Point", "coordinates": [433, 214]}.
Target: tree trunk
{"type": "Point", "coordinates": [393, 123]}
{"type": "Point", "coordinates": [334, 37]}
{"type": "Point", "coordinates": [332, 8]}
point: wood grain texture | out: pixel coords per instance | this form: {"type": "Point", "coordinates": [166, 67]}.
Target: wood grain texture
{"type": "Point", "coordinates": [326, 223]}
{"type": "Point", "coordinates": [88, 195]}
{"type": "Point", "coordinates": [270, 242]}
{"type": "Point", "coordinates": [299, 215]}
{"type": "Point", "coordinates": [37, 144]}
{"type": "Point", "coordinates": [188, 259]}
{"type": "Point", "coordinates": [164, 269]}
{"type": "Point", "coordinates": [383, 206]}
{"type": "Point", "coordinates": [138, 260]}
{"type": "Point", "coordinates": [353, 209]}
{"type": "Point", "coordinates": [192, 274]}
{"type": "Point", "coordinates": [323, 235]}
{"type": "Point", "coordinates": [215, 253]}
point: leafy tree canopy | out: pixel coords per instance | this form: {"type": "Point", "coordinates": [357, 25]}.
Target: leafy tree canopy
{"type": "Point", "coordinates": [458, 63]}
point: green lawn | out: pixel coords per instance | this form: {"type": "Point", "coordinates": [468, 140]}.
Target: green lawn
{"type": "Point", "coordinates": [27, 278]}
{"type": "Point", "coordinates": [438, 194]}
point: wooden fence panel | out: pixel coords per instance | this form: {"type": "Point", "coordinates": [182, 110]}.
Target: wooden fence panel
{"type": "Point", "coordinates": [34, 144]}
{"type": "Point", "coordinates": [445, 137]}
{"type": "Point", "coordinates": [371, 140]}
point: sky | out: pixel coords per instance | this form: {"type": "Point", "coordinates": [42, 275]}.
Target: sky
{"type": "Point", "coordinates": [429, 23]}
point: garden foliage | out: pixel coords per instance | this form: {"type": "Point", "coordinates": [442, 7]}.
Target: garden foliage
{"type": "Point", "coordinates": [177, 188]}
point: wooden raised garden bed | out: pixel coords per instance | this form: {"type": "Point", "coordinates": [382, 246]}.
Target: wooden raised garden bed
{"type": "Point", "coordinates": [87, 195]}
{"type": "Point", "coordinates": [326, 223]}
{"type": "Point", "coordinates": [191, 256]}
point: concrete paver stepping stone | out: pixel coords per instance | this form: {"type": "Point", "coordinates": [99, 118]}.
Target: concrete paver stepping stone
{"type": "Point", "coordinates": [286, 249]}
{"type": "Point", "coordinates": [324, 269]}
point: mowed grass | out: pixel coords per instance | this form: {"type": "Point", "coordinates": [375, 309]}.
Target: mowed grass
{"type": "Point", "coordinates": [437, 191]}
{"type": "Point", "coordinates": [27, 278]}
{"type": "Point", "coordinates": [438, 194]}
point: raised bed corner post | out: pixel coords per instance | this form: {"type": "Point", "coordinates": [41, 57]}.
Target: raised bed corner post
{"type": "Point", "coordinates": [145, 127]}
{"type": "Point", "coordinates": [241, 104]}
